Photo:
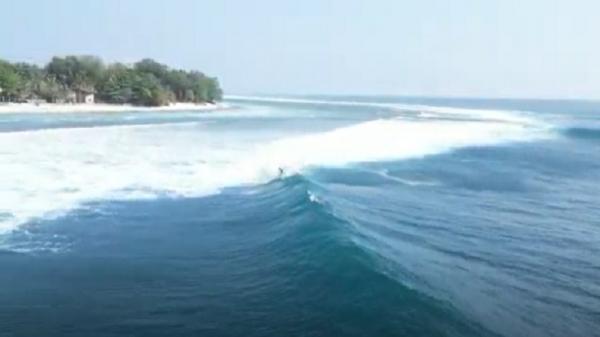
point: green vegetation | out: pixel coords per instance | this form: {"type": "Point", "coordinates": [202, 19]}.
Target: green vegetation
{"type": "Point", "coordinates": [68, 79]}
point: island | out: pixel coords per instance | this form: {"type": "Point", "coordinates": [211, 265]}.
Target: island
{"type": "Point", "coordinates": [88, 81]}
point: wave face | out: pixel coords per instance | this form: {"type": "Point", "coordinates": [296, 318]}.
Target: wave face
{"type": "Point", "coordinates": [291, 216]}
{"type": "Point", "coordinates": [584, 133]}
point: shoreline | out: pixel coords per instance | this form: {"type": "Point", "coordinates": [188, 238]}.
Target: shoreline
{"type": "Point", "coordinates": [13, 108]}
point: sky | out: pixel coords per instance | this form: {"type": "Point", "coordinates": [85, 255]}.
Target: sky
{"type": "Point", "coordinates": [464, 48]}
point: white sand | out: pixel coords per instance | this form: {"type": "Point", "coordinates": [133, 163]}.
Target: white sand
{"type": "Point", "coordinates": [6, 108]}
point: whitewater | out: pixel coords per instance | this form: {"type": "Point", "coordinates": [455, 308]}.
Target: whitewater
{"type": "Point", "coordinates": [50, 169]}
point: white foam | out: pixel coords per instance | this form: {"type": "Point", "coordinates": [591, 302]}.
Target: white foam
{"type": "Point", "coordinates": [49, 172]}
{"type": "Point", "coordinates": [425, 110]}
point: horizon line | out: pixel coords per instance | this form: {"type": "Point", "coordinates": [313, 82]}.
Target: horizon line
{"type": "Point", "coordinates": [413, 96]}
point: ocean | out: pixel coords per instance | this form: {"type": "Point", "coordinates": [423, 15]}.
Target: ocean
{"type": "Point", "coordinates": [304, 216]}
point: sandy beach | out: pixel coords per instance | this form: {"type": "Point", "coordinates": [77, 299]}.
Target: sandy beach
{"type": "Point", "coordinates": [9, 108]}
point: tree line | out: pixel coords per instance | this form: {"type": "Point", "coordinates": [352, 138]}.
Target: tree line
{"type": "Point", "coordinates": [147, 82]}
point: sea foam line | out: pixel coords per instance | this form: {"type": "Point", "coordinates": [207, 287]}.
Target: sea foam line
{"type": "Point", "coordinates": [516, 116]}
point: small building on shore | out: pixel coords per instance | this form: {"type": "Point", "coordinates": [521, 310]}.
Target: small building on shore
{"type": "Point", "coordinates": [81, 96]}
{"type": "Point", "coordinates": [85, 96]}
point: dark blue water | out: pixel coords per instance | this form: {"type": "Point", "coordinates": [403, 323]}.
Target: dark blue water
{"type": "Point", "coordinates": [497, 239]}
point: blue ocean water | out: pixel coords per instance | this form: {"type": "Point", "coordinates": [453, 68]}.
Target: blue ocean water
{"type": "Point", "coordinates": [311, 216]}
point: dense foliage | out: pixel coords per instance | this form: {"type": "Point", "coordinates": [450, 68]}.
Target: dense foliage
{"type": "Point", "coordinates": [146, 82]}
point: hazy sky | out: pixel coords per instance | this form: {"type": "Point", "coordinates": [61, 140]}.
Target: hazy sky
{"type": "Point", "coordinates": [497, 48]}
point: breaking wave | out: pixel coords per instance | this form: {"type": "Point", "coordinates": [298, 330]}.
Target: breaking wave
{"type": "Point", "coordinates": [48, 172]}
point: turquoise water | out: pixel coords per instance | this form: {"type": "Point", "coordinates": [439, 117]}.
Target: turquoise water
{"type": "Point", "coordinates": [392, 217]}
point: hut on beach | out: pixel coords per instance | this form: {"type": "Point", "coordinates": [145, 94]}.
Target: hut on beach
{"type": "Point", "coordinates": [85, 96]}
{"type": "Point", "coordinates": [79, 95]}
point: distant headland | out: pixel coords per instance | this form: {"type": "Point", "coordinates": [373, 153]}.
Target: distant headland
{"type": "Point", "coordinates": [86, 80]}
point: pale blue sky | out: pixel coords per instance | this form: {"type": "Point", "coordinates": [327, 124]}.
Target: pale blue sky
{"type": "Point", "coordinates": [492, 48]}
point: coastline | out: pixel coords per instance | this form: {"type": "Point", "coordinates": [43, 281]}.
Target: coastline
{"type": "Point", "coordinates": [12, 108]}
